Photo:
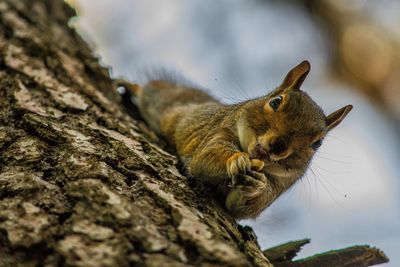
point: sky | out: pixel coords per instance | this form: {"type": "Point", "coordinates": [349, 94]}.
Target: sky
{"type": "Point", "coordinates": [239, 49]}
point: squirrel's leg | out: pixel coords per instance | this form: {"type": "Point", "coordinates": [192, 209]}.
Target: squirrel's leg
{"type": "Point", "coordinates": [219, 161]}
{"type": "Point", "coordinates": [222, 161]}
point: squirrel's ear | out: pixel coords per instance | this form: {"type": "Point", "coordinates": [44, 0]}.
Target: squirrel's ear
{"type": "Point", "coordinates": [336, 117]}
{"type": "Point", "coordinates": [296, 76]}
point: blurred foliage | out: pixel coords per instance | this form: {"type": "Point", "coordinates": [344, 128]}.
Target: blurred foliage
{"type": "Point", "coordinates": [364, 52]}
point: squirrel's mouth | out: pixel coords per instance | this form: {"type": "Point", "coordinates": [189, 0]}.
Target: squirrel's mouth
{"type": "Point", "coordinates": [286, 167]}
{"type": "Point", "coordinates": [259, 153]}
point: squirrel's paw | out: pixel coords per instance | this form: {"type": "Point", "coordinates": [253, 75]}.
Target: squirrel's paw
{"type": "Point", "coordinates": [254, 178]}
{"type": "Point", "coordinates": [247, 200]}
{"type": "Point", "coordinates": [236, 164]}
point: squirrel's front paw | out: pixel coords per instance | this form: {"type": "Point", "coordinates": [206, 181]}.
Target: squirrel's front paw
{"type": "Point", "coordinates": [250, 197]}
{"type": "Point", "coordinates": [254, 178]}
{"type": "Point", "coordinates": [236, 164]}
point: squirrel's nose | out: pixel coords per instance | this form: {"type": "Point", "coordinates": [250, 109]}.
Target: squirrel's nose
{"type": "Point", "coordinates": [279, 146]}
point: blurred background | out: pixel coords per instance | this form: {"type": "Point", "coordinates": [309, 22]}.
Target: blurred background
{"type": "Point", "coordinates": [240, 49]}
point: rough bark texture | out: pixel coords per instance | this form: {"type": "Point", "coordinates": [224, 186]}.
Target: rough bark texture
{"type": "Point", "coordinates": [80, 182]}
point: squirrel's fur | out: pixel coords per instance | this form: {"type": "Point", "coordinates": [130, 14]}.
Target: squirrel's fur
{"type": "Point", "coordinates": [252, 151]}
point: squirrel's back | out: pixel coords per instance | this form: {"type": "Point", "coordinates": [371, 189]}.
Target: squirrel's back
{"type": "Point", "coordinates": [163, 103]}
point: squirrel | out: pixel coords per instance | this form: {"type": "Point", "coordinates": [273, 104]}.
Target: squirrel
{"type": "Point", "coordinates": [252, 151]}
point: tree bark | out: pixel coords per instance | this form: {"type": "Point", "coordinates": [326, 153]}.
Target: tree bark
{"type": "Point", "coordinates": [82, 183]}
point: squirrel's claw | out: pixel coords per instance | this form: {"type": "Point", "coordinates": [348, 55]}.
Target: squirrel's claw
{"type": "Point", "coordinates": [238, 163]}
{"type": "Point", "coordinates": [255, 178]}
{"type": "Point", "coordinates": [251, 178]}
{"type": "Point", "coordinates": [257, 165]}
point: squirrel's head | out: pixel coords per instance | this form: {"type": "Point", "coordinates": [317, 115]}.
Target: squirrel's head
{"type": "Point", "coordinates": [286, 127]}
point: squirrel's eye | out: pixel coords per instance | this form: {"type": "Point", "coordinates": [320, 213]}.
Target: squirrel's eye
{"type": "Point", "coordinates": [275, 102]}
{"type": "Point", "coordinates": [316, 144]}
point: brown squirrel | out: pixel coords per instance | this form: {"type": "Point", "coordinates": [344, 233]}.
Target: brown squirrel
{"type": "Point", "coordinates": [253, 151]}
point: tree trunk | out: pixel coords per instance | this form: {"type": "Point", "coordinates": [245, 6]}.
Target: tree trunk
{"type": "Point", "coordinates": [82, 183]}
